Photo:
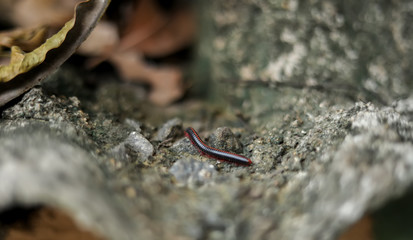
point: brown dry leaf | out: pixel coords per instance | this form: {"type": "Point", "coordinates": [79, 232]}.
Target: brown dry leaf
{"type": "Point", "coordinates": [156, 33]}
{"type": "Point", "coordinates": [177, 33]}
{"type": "Point", "coordinates": [151, 31]}
{"type": "Point", "coordinates": [361, 230]}
{"type": "Point", "coordinates": [29, 13]}
{"type": "Point", "coordinates": [146, 20]}
{"type": "Point", "coordinates": [47, 223]}
{"type": "Point", "coordinates": [33, 67]}
{"type": "Point", "coordinates": [102, 40]}
{"type": "Point", "coordinates": [166, 81]}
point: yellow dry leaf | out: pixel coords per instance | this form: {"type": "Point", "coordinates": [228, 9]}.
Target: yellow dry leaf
{"type": "Point", "coordinates": [17, 56]}
{"type": "Point", "coordinates": [25, 38]}
{"type": "Point", "coordinates": [28, 69]}
{"type": "Point", "coordinates": [21, 62]}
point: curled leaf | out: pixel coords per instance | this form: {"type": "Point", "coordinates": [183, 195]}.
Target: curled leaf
{"type": "Point", "coordinates": [27, 39]}
{"type": "Point", "coordinates": [21, 62]}
{"type": "Point", "coordinates": [27, 70]}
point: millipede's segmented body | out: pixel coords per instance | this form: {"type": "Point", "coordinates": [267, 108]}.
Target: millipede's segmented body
{"type": "Point", "coordinates": [213, 152]}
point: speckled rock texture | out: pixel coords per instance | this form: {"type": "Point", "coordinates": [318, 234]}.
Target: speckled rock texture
{"type": "Point", "coordinates": [313, 176]}
{"type": "Point", "coordinates": [358, 48]}
{"type": "Point", "coordinates": [323, 157]}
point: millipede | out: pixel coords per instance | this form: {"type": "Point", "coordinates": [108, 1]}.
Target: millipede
{"type": "Point", "coordinates": [211, 152]}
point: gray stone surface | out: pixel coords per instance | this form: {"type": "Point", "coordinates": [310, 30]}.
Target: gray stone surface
{"type": "Point", "coordinates": [224, 138]}
{"type": "Point", "coordinates": [170, 130]}
{"type": "Point", "coordinates": [39, 167]}
{"type": "Point", "coordinates": [359, 49]}
{"type": "Point", "coordinates": [369, 167]}
{"type": "Point", "coordinates": [135, 148]}
{"type": "Point", "coordinates": [322, 159]}
{"type": "Point", "coordinates": [318, 167]}
{"type": "Point", "coordinates": [192, 173]}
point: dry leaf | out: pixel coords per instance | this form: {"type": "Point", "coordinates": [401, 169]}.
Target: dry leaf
{"type": "Point", "coordinates": [30, 13]}
{"type": "Point", "coordinates": [166, 81]}
{"type": "Point", "coordinates": [155, 33]}
{"type": "Point", "coordinates": [21, 62]}
{"type": "Point", "coordinates": [37, 65]}
{"type": "Point", "coordinates": [102, 40]}
{"type": "Point", "coordinates": [146, 20]}
{"type": "Point", "coordinates": [177, 33]}
{"type": "Point", "coordinates": [26, 39]}
{"type": "Point", "coordinates": [151, 31]}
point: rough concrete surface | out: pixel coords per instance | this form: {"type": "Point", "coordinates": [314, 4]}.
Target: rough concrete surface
{"type": "Point", "coordinates": [322, 106]}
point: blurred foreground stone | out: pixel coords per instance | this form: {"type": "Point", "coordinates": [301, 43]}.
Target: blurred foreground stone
{"type": "Point", "coordinates": [41, 167]}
